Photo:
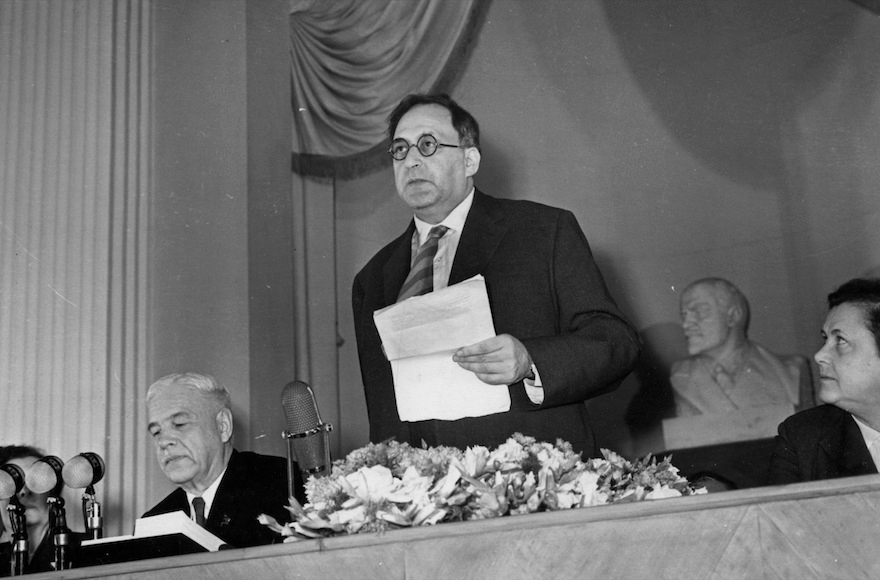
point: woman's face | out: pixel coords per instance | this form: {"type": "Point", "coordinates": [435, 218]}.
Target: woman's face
{"type": "Point", "coordinates": [36, 508]}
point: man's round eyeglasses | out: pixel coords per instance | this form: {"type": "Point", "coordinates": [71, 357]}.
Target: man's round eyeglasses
{"type": "Point", "coordinates": [427, 146]}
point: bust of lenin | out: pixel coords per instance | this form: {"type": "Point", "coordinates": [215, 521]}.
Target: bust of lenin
{"type": "Point", "coordinates": [726, 371]}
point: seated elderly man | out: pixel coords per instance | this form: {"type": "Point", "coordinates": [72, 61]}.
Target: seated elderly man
{"type": "Point", "coordinates": [726, 371]}
{"type": "Point", "coordinates": [190, 421]}
{"type": "Point", "coordinates": [842, 437]}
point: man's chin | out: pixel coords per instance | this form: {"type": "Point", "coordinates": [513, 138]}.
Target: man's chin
{"type": "Point", "coordinates": [178, 473]}
{"type": "Point", "coordinates": [694, 348]}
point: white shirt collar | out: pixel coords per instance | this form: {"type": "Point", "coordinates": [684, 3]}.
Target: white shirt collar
{"type": "Point", "coordinates": [454, 221]}
{"type": "Point", "coordinates": [868, 433]}
{"type": "Point", "coordinates": [209, 494]}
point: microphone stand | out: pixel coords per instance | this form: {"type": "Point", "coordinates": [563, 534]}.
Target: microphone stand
{"type": "Point", "coordinates": [19, 537]}
{"type": "Point", "coordinates": [92, 514]}
{"type": "Point", "coordinates": [61, 534]}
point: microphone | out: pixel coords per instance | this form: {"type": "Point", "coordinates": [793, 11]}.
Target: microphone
{"type": "Point", "coordinates": [307, 436]}
{"type": "Point", "coordinates": [85, 470]}
{"type": "Point", "coordinates": [11, 480]}
{"type": "Point", "coordinates": [45, 475]}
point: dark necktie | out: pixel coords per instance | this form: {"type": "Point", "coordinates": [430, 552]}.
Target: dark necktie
{"type": "Point", "coordinates": [199, 510]}
{"type": "Point", "coordinates": [420, 279]}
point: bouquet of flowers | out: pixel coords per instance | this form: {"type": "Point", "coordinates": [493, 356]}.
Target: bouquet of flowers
{"type": "Point", "coordinates": [391, 485]}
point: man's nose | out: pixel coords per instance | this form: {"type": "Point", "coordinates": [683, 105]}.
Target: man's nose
{"type": "Point", "coordinates": [413, 157]}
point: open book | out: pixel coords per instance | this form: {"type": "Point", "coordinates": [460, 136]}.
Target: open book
{"type": "Point", "coordinates": [421, 334]}
{"type": "Point", "coordinates": [176, 523]}
{"type": "Point", "coordinates": [170, 534]}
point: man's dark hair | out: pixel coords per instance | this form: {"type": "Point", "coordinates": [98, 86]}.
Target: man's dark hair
{"type": "Point", "coordinates": [463, 122]}
{"type": "Point", "coordinates": [864, 293]}
{"type": "Point", "coordinates": [10, 452]}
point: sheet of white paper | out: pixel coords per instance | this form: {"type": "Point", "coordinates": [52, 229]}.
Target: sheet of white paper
{"type": "Point", "coordinates": [450, 318]}
{"type": "Point", "coordinates": [420, 335]}
{"type": "Point", "coordinates": [434, 387]}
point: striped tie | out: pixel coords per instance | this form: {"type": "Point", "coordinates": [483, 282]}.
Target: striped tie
{"type": "Point", "coordinates": [420, 279]}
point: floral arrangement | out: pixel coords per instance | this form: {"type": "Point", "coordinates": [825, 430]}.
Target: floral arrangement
{"type": "Point", "coordinates": [391, 485]}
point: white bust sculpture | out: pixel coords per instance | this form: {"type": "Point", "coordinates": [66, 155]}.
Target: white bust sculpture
{"type": "Point", "coordinates": [725, 370]}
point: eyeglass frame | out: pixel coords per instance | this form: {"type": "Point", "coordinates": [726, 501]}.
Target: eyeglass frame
{"type": "Point", "coordinates": [418, 147]}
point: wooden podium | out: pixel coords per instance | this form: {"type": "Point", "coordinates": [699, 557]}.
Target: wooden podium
{"type": "Point", "coordinates": [825, 529]}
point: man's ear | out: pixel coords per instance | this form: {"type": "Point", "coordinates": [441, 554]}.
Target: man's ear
{"type": "Point", "coordinates": [471, 161]}
{"type": "Point", "coordinates": [734, 315]}
{"type": "Point", "coordinates": [224, 424]}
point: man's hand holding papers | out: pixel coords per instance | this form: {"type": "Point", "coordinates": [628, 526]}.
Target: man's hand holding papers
{"type": "Point", "coordinates": [420, 336]}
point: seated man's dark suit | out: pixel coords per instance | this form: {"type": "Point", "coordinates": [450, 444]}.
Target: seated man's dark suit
{"type": "Point", "coordinates": [252, 485]}
{"type": "Point", "coordinates": [820, 443]}
{"type": "Point", "coordinates": [545, 290]}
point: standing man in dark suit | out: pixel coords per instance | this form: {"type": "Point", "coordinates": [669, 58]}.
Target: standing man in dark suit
{"type": "Point", "coordinates": [842, 437]}
{"type": "Point", "coordinates": [560, 337]}
{"type": "Point", "coordinates": [190, 422]}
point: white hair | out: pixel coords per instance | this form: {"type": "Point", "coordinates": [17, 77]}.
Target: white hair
{"type": "Point", "coordinates": [204, 383]}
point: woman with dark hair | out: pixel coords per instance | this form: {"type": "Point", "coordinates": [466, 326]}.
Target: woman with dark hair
{"type": "Point", "coordinates": [842, 437]}
{"type": "Point", "coordinates": [40, 549]}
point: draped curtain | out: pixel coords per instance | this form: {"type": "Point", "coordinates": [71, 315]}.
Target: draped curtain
{"type": "Point", "coordinates": [351, 63]}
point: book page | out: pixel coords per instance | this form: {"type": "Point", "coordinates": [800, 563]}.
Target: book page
{"type": "Point", "coordinates": [176, 523]}
{"type": "Point", "coordinates": [421, 334]}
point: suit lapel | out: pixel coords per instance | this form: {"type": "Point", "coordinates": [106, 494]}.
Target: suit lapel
{"type": "Point", "coordinates": [224, 502]}
{"type": "Point", "coordinates": [397, 267]}
{"type": "Point", "coordinates": [483, 231]}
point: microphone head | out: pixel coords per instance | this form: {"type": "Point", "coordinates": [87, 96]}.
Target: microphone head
{"type": "Point", "coordinates": [83, 470]}
{"type": "Point", "coordinates": [11, 480]}
{"type": "Point", "coordinates": [300, 407]}
{"type": "Point", "coordinates": [44, 475]}
{"type": "Point", "coordinates": [307, 437]}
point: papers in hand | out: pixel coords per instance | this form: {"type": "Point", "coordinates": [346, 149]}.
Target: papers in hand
{"type": "Point", "coordinates": [176, 523]}
{"type": "Point", "coordinates": [421, 334]}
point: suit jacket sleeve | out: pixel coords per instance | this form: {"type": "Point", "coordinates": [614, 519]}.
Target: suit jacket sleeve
{"type": "Point", "coordinates": [784, 463]}
{"type": "Point", "coordinates": [593, 347]}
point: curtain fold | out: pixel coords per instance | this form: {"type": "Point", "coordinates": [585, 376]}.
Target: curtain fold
{"type": "Point", "coordinates": [351, 63]}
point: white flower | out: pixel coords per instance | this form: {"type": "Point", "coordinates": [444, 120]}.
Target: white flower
{"type": "Point", "coordinates": [372, 483]}
{"type": "Point", "coordinates": [413, 488]}
{"type": "Point", "coordinates": [475, 460]}
{"type": "Point", "coordinates": [508, 452]}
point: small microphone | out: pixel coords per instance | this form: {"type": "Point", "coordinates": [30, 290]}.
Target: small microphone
{"type": "Point", "coordinates": [11, 480]}
{"type": "Point", "coordinates": [85, 470]}
{"type": "Point", "coordinates": [307, 436]}
{"type": "Point", "coordinates": [45, 475]}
